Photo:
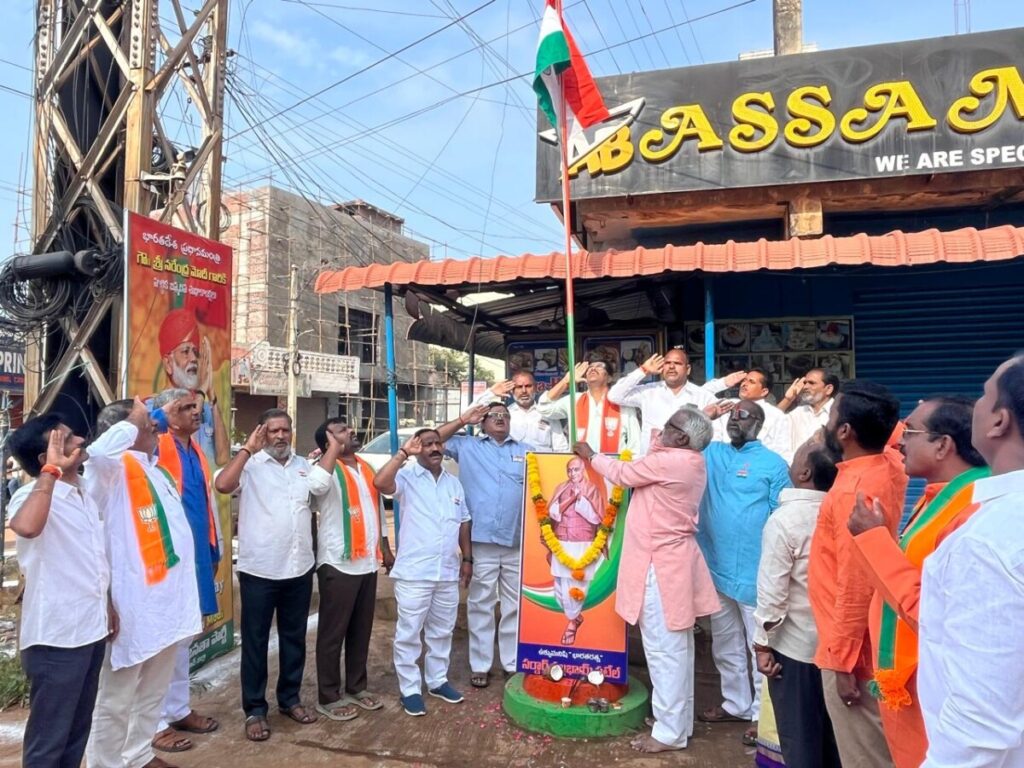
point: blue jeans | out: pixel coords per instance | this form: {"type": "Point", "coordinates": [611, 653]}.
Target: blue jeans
{"type": "Point", "coordinates": [63, 693]}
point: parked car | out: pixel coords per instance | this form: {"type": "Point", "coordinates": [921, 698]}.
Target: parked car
{"type": "Point", "coordinates": [378, 451]}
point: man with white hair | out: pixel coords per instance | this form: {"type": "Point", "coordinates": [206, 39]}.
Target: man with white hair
{"type": "Point", "coordinates": [664, 583]}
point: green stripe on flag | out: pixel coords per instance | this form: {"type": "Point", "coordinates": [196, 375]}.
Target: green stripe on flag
{"type": "Point", "coordinates": [552, 54]}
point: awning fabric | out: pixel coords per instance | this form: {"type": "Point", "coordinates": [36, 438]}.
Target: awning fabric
{"type": "Point", "coordinates": [896, 249]}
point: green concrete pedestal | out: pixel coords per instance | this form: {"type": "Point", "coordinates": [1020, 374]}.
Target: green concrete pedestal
{"type": "Point", "coordinates": [576, 722]}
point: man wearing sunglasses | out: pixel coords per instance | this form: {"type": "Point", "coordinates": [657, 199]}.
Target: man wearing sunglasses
{"type": "Point", "coordinates": [491, 468]}
{"type": "Point", "coordinates": [745, 479]}
{"type": "Point", "coordinates": [936, 446]}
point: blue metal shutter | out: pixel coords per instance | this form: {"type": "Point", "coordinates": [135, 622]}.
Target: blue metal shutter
{"type": "Point", "coordinates": [935, 341]}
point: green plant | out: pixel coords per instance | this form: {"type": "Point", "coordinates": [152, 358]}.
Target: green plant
{"type": "Point", "coordinates": [13, 684]}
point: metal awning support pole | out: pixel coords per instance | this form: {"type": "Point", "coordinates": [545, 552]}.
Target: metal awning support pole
{"type": "Point", "coordinates": [389, 352]}
{"type": "Point", "coordinates": [709, 329]}
{"type": "Point", "coordinates": [472, 372]}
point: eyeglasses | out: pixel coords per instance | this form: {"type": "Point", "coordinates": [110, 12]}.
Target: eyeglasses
{"type": "Point", "coordinates": [909, 431]}
{"type": "Point", "coordinates": [743, 413]}
{"type": "Point", "coordinates": [496, 415]}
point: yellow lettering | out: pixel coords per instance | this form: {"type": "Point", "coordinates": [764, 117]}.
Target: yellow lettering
{"type": "Point", "coordinates": [808, 108]}
{"type": "Point", "coordinates": [1007, 85]}
{"type": "Point", "coordinates": [744, 137]}
{"type": "Point", "coordinates": [142, 258]}
{"type": "Point", "coordinates": [897, 99]}
{"type": "Point", "coordinates": [686, 122]}
{"type": "Point", "coordinates": [615, 153]}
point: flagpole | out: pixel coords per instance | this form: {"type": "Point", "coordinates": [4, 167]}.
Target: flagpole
{"type": "Point", "coordinates": [570, 319]}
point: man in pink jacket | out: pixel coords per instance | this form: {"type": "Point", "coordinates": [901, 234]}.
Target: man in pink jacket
{"type": "Point", "coordinates": [664, 583]}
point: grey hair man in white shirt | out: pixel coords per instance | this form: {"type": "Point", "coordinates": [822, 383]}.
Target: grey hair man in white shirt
{"type": "Point", "coordinates": [970, 678]}
{"type": "Point", "coordinates": [528, 422]}
{"type": "Point", "coordinates": [785, 636]}
{"type": "Point", "coordinates": [275, 566]}
{"type": "Point", "coordinates": [813, 394]}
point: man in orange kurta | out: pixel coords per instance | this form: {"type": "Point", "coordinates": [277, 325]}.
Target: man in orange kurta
{"type": "Point", "coordinates": [664, 583]}
{"type": "Point", "coordinates": [936, 446]}
{"type": "Point", "coordinates": [860, 424]}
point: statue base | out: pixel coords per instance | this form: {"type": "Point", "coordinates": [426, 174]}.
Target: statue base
{"type": "Point", "coordinates": [575, 721]}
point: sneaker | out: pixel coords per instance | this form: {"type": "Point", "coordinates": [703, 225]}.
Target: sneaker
{"type": "Point", "coordinates": [413, 705]}
{"type": "Point", "coordinates": [446, 693]}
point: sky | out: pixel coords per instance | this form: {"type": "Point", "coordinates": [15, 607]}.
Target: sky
{"type": "Point", "coordinates": [323, 100]}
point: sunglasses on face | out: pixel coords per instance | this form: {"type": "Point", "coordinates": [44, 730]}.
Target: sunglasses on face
{"type": "Point", "coordinates": [496, 415]}
{"type": "Point", "coordinates": [742, 413]}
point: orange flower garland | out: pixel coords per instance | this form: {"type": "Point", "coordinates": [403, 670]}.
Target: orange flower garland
{"type": "Point", "coordinates": [578, 565]}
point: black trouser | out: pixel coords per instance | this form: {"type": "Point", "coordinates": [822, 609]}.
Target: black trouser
{"type": "Point", "coordinates": [261, 599]}
{"type": "Point", "coordinates": [63, 693]}
{"type": "Point", "coordinates": [805, 731]}
{"type": "Point", "coordinates": [346, 618]}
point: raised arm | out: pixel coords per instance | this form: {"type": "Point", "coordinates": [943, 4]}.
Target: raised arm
{"type": "Point", "coordinates": [628, 390]}
{"type": "Point", "coordinates": [474, 415]}
{"type": "Point", "coordinates": [384, 480]}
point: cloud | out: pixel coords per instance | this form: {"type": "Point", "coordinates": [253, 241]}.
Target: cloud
{"type": "Point", "coordinates": [298, 48]}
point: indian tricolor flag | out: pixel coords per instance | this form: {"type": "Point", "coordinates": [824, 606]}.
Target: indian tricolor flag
{"type": "Point", "coordinates": [561, 69]}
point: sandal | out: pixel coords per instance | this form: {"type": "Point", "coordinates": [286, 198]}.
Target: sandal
{"type": "Point", "coordinates": [169, 740]}
{"type": "Point", "coordinates": [340, 711]}
{"type": "Point", "coordinates": [750, 737]}
{"type": "Point", "coordinates": [299, 714]}
{"type": "Point", "coordinates": [193, 723]}
{"type": "Point", "coordinates": [480, 680]}
{"type": "Point", "coordinates": [719, 715]}
{"type": "Point", "coordinates": [252, 734]}
{"type": "Point", "coordinates": [363, 700]}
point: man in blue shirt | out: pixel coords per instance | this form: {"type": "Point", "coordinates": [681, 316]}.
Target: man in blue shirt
{"type": "Point", "coordinates": [491, 468]}
{"type": "Point", "coordinates": [744, 482]}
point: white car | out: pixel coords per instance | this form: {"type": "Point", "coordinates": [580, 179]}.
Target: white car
{"type": "Point", "coordinates": [378, 451]}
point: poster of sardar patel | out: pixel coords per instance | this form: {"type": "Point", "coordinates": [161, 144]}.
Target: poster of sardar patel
{"type": "Point", "coordinates": [573, 523]}
{"type": "Point", "coordinates": [177, 333]}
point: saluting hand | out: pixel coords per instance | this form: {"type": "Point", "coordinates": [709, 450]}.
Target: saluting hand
{"type": "Point", "coordinates": [475, 414]}
{"type": "Point", "coordinates": [502, 388]}
{"type": "Point", "coordinates": [257, 440]}
{"type": "Point", "coordinates": [734, 378]}
{"type": "Point", "coordinates": [795, 388]}
{"type": "Point", "coordinates": [413, 446]}
{"type": "Point", "coordinates": [55, 450]}
{"type": "Point", "coordinates": [653, 364]}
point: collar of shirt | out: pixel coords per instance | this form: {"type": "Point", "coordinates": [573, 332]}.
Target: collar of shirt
{"type": "Point", "coordinates": [508, 439]}
{"type": "Point", "coordinates": [263, 457]}
{"type": "Point", "coordinates": [800, 494]}
{"type": "Point", "coordinates": [993, 487]}
{"type": "Point", "coordinates": [62, 489]}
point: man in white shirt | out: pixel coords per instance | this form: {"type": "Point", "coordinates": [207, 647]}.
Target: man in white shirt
{"type": "Point", "coordinates": [658, 401]}
{"type": "Point", "coordinates": [153, 584]}
{"type": "Point", "coordinates": [814, 393]}
{"type": "Point", "coordinates": [529, 423]}
{"type": "Point", "coordinates": [970, 677]}
{"type": "Point", "coordinates": [775, 433]}
{"type": "Point", "coordinates": [434, 556]}
{"type": "Point", "coordinates": [275, 566]}
{"type": "Point", "coordinates": [785, 636]}
{"type": "Point", "coordinates": [600, 423]}
{"type": "Point", "coordinates": [352, 541]}
{"type": "Point", "coordinates": [64, 621]}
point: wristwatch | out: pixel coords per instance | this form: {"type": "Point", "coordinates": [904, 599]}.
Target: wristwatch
{"type": "Point", "coordinates": [468, 560]}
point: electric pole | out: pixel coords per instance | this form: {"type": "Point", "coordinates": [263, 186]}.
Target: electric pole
{"type": "Point", "coordinates": [293, 350]}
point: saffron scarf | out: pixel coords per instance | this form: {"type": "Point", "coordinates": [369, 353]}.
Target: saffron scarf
{"type": "Point", "coordinates": [609, 436]}
{"type": "Point", "coordinates": [168, 459]}
{"type": "Point", "coordinates": [897, 652]}
{"type": "Point", "coordinates": [353, 517]}
{"type": "Point", "coordinates": [151, 530]}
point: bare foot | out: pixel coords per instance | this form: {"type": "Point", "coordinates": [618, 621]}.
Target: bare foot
{"type": "Point", "coordinates": [650, 744]}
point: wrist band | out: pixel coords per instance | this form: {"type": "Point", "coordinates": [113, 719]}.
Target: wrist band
{"type": "Point", "coordinates": [243, 448]}
{"type": "Point", "coordinates": [52, 469]}
{"type": "Point", "coordinates": [402, 450]}
{"type": "Point", "coordinates": [468, 560]}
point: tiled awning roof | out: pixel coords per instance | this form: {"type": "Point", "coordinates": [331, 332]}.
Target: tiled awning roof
{"type": "Point", "coordinates": [896, 249]}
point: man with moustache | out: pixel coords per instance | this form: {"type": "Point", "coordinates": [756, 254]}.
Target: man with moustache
{"type": "Point", "coordinates": [352, 542]}
{"type": "Point", "coordinates": [435, 556]}
{"type": "Point", "coordinates": [814, 394]}
{"type": "Point", "coordinates": [745, 480]}
{"type": "Point", "coordinates": [275, 565]}
{"type": "Point", "coordinates": [859, 429]}
{"type": "Point", "coordinates": [153, 583]}
{"type": "Point", "coordinates": [529, 423]}
{"type": "Point", "coordinates": [188, 364]}
{"type": "Point", "coordinates": [600, 423]}
{"type": "Point", "coordinates": [180, 455]}
{"type": "Point", "coordinates": [970, 679]}
{"type": "Point", "coordinates": [657, 401]}
{"type": "Point", "coordinates": [936, 446]}
{"type": "Point", "coordinates": [491, 469]}
{"type": "Point", "coordinates": [775, 434]}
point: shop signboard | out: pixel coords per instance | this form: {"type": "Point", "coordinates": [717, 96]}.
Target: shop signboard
{"type": "Point", "coordinates": [177, 332]}
{"type": "Point", "coordinates": [940, 105]}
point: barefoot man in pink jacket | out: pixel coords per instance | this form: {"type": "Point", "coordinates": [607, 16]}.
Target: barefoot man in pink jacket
{"type": "Point", "coordinates": [664, 583]}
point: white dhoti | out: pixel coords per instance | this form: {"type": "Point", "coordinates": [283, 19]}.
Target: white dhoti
{"type": "Point", "coordinates": [429, 607]}
{"type": "Point", "coordinates": [176, 704]}
{"type": "Point", "coordinates": [495, 579]}
{"type": "Point", "coordinates": [732, 641]}
{"type": "Point", "coordinates": [670, 658]}
{"type": "Point", "coordinates": [564, 582]}
{"type": "Point", "coordinates": [127, 711]}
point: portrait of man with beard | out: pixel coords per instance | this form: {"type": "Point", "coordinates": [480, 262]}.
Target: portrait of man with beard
{"type": "Point", "coordinates": [188, 364]}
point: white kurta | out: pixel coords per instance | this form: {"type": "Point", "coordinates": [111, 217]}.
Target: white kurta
{"type": "Point", "coordinates": [629, 429]}
{"type": "Point", "coordinates": [804, 422]}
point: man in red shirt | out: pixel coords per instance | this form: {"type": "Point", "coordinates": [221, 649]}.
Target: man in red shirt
{"type": "Point", "coordinates": [859, 429]}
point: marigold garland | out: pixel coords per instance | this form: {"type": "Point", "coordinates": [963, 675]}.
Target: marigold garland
{"type": "Point", "coordinates": [540, 508]}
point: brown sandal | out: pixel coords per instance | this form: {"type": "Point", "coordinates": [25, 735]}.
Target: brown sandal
{"type": "Point", "coordinates": [169, 740]}
{"type": "Point", "coordinates": [193, 723]}
{"type": "Point", "coordinates": [299, 714]}
{"type": "Point", "coordinates": [264, 728]}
